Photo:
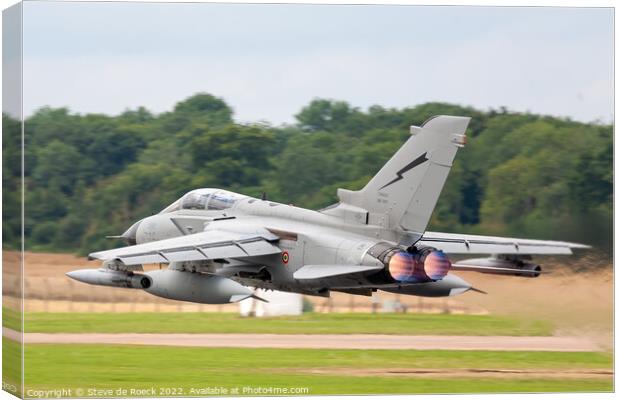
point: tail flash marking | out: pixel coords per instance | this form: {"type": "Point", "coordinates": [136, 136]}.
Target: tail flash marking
{"type": "Point", "coordinates": [408, 167]}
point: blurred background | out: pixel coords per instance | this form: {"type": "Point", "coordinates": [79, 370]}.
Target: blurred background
{"type": "Point", "coordinates": [151, 100]}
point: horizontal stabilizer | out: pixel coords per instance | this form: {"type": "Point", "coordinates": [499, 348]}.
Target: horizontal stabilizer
{"type": "Point", "coordinates": [326, 271]}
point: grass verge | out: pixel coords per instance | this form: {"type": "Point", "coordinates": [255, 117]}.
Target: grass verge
{"type": "Point", "coordinates": [311, 323]}
{"type": "Point", "coordinates": [11, 366]}
{"type": "Point", "coordinates": [11, 319]}
{"type": "Point", "coordinates": [101, 367]}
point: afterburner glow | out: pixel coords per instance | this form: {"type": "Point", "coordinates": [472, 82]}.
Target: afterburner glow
{"type": "Point", "coordinates": [427, 266]}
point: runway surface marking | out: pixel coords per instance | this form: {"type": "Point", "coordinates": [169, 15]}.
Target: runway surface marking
{"type": "Point", "coordinates": [380, 342]}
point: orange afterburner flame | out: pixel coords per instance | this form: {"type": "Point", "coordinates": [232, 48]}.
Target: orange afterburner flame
{"type": "Point", "coordinates": [430, 266]}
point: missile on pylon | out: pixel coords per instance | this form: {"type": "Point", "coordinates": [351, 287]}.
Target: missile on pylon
{"type": "Point", "coordinates": [106, 277]}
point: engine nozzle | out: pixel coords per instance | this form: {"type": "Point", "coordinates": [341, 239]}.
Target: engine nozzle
{"type": "Point", "coordinates": [422, 265]}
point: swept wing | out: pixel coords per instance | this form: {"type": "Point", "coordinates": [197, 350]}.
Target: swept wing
{"type": "Point", "coordinates": [452, 243]}
{"type": "Point", "coordinates": [207, 245]}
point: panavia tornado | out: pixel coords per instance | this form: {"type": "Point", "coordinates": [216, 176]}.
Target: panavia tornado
{"type": "Point", "coordinates": [218, 244]}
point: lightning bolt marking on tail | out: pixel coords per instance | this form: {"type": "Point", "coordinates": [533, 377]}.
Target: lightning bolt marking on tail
{"type": "Point", "coordinates": [410, 166]}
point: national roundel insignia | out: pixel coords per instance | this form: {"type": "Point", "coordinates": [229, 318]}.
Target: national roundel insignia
{"type": "Point", "coordinates": [285, 257]}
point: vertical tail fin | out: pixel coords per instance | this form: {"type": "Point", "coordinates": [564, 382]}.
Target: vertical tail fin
{"type": "Point", "coordinates": [403, 194]}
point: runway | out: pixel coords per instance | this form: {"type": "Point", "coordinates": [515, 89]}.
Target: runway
{"type": "Point", "coordinates": [361, 342]}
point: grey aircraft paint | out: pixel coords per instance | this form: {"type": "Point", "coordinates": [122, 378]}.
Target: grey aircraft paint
{"type": "Point", "coordinates": [217, 243]}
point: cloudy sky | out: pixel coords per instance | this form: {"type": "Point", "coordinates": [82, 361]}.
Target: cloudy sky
{"type": "Point", "coordinates": [268, 61]}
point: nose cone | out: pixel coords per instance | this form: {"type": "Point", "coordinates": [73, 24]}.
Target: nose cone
{"type": "Point", "coordinates": [80, 275]}
{"type": "Point", "coordinates": [129, 236]}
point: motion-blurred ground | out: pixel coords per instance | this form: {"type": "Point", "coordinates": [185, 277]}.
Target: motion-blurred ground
{"type": "Point", "coordinates": [561, 303]}
{"type": "Point", "coordinates": [575, 303]}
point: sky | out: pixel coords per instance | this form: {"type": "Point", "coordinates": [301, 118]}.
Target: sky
{"type": "Point", "coordinates": [269, 61]}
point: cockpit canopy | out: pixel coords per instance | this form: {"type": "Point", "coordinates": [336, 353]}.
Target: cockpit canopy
{"type": "Point", "coordinates": [205, 199]}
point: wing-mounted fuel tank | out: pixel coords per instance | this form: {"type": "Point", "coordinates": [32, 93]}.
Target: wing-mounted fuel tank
{"type": "Point", "coordinates": [416, 265]}
{"type": "Point", "coordinates": [169, 283]}
{"type": "Point", "coordinates": [196, 287]}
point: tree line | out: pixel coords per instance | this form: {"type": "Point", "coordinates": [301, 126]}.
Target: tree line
{"type": "Point", "coordinates": [88, 176]}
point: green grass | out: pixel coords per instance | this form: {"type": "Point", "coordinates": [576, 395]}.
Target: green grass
{"type": "Point", "coordinates": [86, 367]}
{"type": "Point", "coordinates": [106, 366]}
{"type": "Point", "coordinates": [11, 365]}
{"type": "Point", "coordinates": [11, 319]}
{"type": "Point", "coordinates": [401, 324]}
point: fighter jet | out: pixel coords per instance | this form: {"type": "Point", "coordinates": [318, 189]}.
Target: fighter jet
{"type": "Point", "coordinates": [218, 244]}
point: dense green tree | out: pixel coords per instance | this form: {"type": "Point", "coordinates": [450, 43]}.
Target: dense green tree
{"type": "Point", "coordinates": [234, 155]}
{"type": "Point", "coordinates": [92, 175]}
{"type": "Point", "coordinates": [11, 180]}
{"type": "Point", "coordinates": [59, 165]}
